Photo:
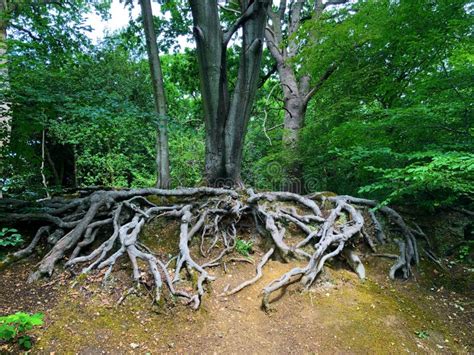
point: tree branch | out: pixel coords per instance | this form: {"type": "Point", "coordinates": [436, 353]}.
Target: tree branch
{"type": "Point", "coordinates": [228, 9]}
{"type": "Point", "coordinates": [28, 32]}
{"type": "Point", "coordinates": [331, 69]}
{"type": "Point", "coordinates": [282, 9]}
{"type": "Point", "coordinates": [319, 7]}
{"type": "Point", "coordinates": [247, 14]}
{"type": "Point", "coordinates": [273, 45]}
{"type": "Point", "coordinates": [275, 26]}
{"type": "Point", "coordinates": [295, 16]}
{"type": "Point", "coordinates": [335, 2]}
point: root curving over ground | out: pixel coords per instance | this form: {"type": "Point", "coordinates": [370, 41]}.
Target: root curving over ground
{"type": "Point", "coordinates": [94, 232]}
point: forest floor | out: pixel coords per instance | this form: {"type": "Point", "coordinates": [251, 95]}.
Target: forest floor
{"type": "Point", "coordinates": [340, 314]}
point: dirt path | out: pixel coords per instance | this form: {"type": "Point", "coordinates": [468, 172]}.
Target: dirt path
{"type": "Point", "coordinates": [340, 315]}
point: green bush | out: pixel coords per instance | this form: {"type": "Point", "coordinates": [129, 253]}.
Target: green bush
{"type": "Point", "coordinates": [446, 176]}
{"type": "Point", "coordinates": [14, 327]}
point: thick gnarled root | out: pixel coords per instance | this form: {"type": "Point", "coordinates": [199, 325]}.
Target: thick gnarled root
{"type": "Point", "coordinates": [333, 236]}
{"type": "Point", "coordinates": [112, 221]}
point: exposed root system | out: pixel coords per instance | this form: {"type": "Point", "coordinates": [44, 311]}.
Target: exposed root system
{"type": "Point", "coordinates": [95, 231]}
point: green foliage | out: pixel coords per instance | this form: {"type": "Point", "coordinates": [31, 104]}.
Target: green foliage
{"type": "Point", "coordinates": [422, 334]}
{"type": "Point", "coordinates": [447, 176]}
{"type": "Point", "coordinates": [243, 247]}
{"type": "Point", "coordinates": [265, 158]}
{"type": "Point", "coordinates": [394, 122]}
{"type": "Point", "coordinates": [464, 253]}
{"type": "Point", "coordinates": [14, 328]}
{"type": "Point", "coordinates": [188, 156]}
{"type": "Point", "coordinates": [9, 237]}
{"type": "Point", "coordinates": [101, 136]}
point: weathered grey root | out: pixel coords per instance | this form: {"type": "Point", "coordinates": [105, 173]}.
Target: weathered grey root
{"type": "Point", "coordinates": [257, 277]}
{"type": "Point", "coordinates": [213, 215]}
{"type": "Point", "coordinates": [409, 254]}
{"type": "Point", "coordinates": [354, 262]}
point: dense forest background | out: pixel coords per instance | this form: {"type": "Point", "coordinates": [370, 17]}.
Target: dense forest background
{"type": "Point", "coordinates": [228, 142]}
{"type": "Point", "coordinates": [393, 120]}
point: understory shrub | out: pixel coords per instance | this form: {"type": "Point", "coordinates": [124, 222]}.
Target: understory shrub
{"type": "Point", "coordinates": [13, 328]}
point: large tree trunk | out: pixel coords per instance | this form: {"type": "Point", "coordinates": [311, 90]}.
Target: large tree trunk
{"type": "Point", "coordinates": [294, 104]}
{"type": "Point", "coordinates": [226, 118]}
{"type": "Point", "coordinates": [162, 150]}
{"type": "Point", "coordinates": [297, 90]}
{"type": "Point", "coordinates": [295, 110]}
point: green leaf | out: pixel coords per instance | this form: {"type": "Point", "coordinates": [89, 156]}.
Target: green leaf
{"type": "Point", "coordinates": [25, 342]}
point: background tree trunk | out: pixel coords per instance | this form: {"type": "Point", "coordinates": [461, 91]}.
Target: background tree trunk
{"type": "Point", "coordinates": [5, 118]}
{"type": "Point", "coordinates": [162, 150]}
{"type": "Point", "coordinates": [226, 119]}
{"type": "Point", "coordinates": [296, 87]}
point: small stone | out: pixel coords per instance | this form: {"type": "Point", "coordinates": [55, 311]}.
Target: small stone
{"type": "Point", "coordinates": [134, 345]}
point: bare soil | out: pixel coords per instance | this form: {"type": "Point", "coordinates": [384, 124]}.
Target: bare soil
{"type": "Point", "coordinates": [340, 314]}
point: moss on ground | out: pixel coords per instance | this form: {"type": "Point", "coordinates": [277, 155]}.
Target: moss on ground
{"type": "Point", "coordinates": [84, 323]}
{"type": "Point", "coordinates": [161, 236]}
{"type": "Point", "coordinates": [368, 317]}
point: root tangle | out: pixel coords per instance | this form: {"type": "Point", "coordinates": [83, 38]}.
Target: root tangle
{"type": "Point", "coordinates": [112, 222]}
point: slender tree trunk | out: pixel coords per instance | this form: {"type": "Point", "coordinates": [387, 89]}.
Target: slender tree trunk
{"type": "Point", "coordinates": [281, 40]}
{"type": "Point", "coordinates": [295, 104]}
{"type": "Point", "coordinates": [5, 118]}
{"type": "Point", "coordinates": [57, 181]}
{"type": "Point", "coordinates": [76, 174]}
{"type": "Point", "coordinates": [43, 159]}
{"type": "Point", "coordinates": [294, 90]}
{"type": "Point", "coordinates": [244, 92]}
{"type": "Point", "coordinates": [162, 150]}
{"type": "Point", "coordinates": [226, 115]}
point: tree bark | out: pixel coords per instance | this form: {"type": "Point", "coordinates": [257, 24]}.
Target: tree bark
{"type": "Point", "coordinates": [100, 228]}
{"type": "Point", "coordinates": [297, 92]}
{"type": "Point", "coordinates": [294, 105]}
{"type": "Point", "coordinates": [5, 118]}
{"type": "Point", "coordinates": [162, 150]}
{"type": "Point", "coordinates": [226, 116]}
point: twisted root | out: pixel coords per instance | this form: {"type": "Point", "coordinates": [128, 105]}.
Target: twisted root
{"type": "Point", "coordinates": [73, 226]}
